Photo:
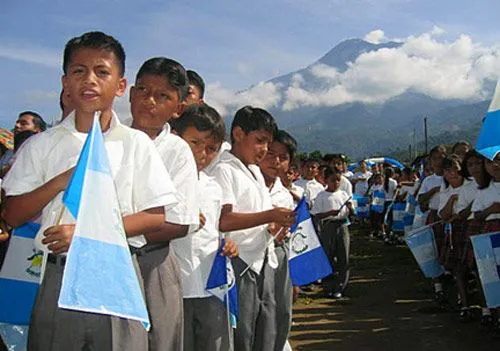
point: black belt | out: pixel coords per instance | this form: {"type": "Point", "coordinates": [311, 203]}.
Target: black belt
{"type": "Point", "coordinates": [335, 220]}
{"type": "Point", "coordinates": [141, 251]}
{"type": "Point", "coordinates": [56, 259]}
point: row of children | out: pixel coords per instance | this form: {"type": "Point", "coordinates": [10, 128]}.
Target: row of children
{"type": "Point", "coordinates": [178, 191]}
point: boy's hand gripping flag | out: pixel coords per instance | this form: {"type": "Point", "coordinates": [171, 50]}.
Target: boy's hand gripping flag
{"type": "Point", "coordinates": [487, 253]}
{"type": "Point", "coordinates": [222, 283]}
{"type": "Point", "coordinates": [307, 259]}
{"type": "Point", "coordinates": [99, 275]}
{"type": "Point", "coordinates": [488, 142]}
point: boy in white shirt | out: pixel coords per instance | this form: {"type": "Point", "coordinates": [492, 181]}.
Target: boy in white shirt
{"type": "Point", "coordinates": [246, 213]}
{"type": "Point", "coordinates": [157, 97]}
{"type": "Point", "coordinates": [274, 166]}
{"type": "Point", "coordinates": [336, 161]}
{"type": "Point", "coordinates": [205, 316]}
{"type": "Point", "coordinates": [332, 208]}
{"type": "Point", "coordinates": [360, 179]}
{"type": "Point", "coordinates": [309, 183]}
{"type": "Point", "coordinates": [93, 65]}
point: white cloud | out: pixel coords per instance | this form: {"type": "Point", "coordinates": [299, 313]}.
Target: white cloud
{"type": "Point", "coordinates": [425, 64]}
{"type": "Point", "coordinates": [31, 54]}
{"type": "Point", "coordinates": [375, 36]}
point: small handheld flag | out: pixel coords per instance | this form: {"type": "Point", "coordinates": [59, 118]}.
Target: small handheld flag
{"type": "Point", "coordinates": [361, 206]}
{"type": "Point", "coordinates": [488, 142]}
{"type": "Point", "coordinates": [378, 201]}
{"type": "Point", "coordinates": [222, 283]}
{"type": "Point", "coordinates": [487, 253]}
{"type": "Point", "coordinates": [307, 260]}
{"type": "Point", "coordinates": [99, 275]}
{"type": "Point", "coordinates": [423, 247]}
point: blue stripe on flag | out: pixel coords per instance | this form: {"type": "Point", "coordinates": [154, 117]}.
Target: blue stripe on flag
{"type": "Point", "coordinates": [303, 214]}
{"type": "Point", "coordinates": [27, 230]}
{"type": "Point", "coordinates": [495, 240]}
{"type": "Point", "coordinates": [492, 294]}
{"type": "Point", "coordinates": [103, 285]}
{"type": "Point", "coordinates": [309, 267]}
{"type": "Point", "coordinates": [17, 292]}
{"type": "Point", "coordinates": [488, 141]}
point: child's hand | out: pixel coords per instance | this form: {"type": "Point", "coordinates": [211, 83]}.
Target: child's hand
{"type": "Point", "coordinates": [230, 249]}
{"type": "Point", "coordinates": [203, 220]}
{"type": "Point", "coordinates": [283, 216]}
{"type": "Point", "coordinates": [58, 238]}
{"type": "Point", "coordinates": [334, 212]}
{"type": "Point", "coordinates": [494, 208]}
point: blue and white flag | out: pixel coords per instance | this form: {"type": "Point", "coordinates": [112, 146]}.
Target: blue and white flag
{"type": "Point", "coordinates": [423, 247]}
{"type": "Point", "coordinates": [487, 253]}
{"type": "Point", "coordinates": [361, 206]}
{"type": "Point", "coordinates": [307, 259]}
{"type": "Point", "coordinates": [99, 276]}
{"type": "Point", "coordinates": [398, 216]}
{"type": "Point", "coordinates": [378, 201]}
{"type": "Point", "coordinates": [19, 282]}
{"type": "Point", "coordinates": [488, 141]}
{"type": "Point", "coordinates": [222, 283]}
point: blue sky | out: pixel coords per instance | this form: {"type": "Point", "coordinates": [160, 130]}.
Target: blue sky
{"type": "Point", "coordinates": [232, 44]}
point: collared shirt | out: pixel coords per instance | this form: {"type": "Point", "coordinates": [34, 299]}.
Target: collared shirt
{"type": "Point", "coordinates": [327, 201]}
{"type": "Point", "coordinates": [141, 180]}
{"type": "Point", "coordinates": [468, 192]}
{"type": "Point", "coordinates": [391, 189]}
{"type": "Point", "coordinates": [428, 183]}
{"type": "Point", "coordinates": [346, 185]}
{"type": "Point", "coordinates": [280, 196]}
{"type": "Point", "coordinates": [361, 186]}
{"type": "Point", "coordinates": [244, 188]}
{"type": "Point", "coordinates": [446, 192]}
{"type": "Point", "coordinates": [225, 146]}
{"type": "Point", "coordinates": [199, 249]}
{"type": "Point", "coordinates": [311, 189]}
{"type": "Point", "coordinates": [487, 197]}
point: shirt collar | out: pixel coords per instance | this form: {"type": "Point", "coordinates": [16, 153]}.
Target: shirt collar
{"type": "Point", "coordinates": [70, 123]}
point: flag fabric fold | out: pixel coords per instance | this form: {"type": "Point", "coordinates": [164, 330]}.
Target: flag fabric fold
{"type": "Point", "coordinates": [487, 253]}
{"type": "Point", "coordinates": [99, 275]}
{"type": "Point", "coordinates": [423, 247]}
{"type": "Point", "coordinates": [221, 283]}
{"type": "Point", "coordinates": [488, 141]}
{"type": "Point", "coordinates": [307, 259]}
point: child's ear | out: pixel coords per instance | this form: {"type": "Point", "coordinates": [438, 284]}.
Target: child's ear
{"type": "Point", "coordinates": [181, 106]}
{"type": "Point", "coordinates": [238, 133]}
{"type": "Point", "coordinates": [122, 86]}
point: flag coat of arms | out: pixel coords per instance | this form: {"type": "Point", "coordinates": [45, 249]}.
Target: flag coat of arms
{"type": "Point", "coordinates": [378, 201]}
{"type": "Point", "coordinates": [307, 259]}
{"type": "Point", "coordinates": [423, 247]}
{"type": "Point", "coordinates": [222, 283]}
{"type": "Point", "coordinates": [487, 253]}
{"type": "Point", "coordinates": [488, 141]}
{"type": "Point", "coordinates": [99, 275]}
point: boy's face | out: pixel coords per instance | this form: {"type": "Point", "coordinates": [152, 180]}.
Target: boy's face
{"type": "Point", "coordinates": [436, 160]}
{"type": "Point", "coordinates": [311, 170]}
{"type": "Point", "coordinates": [154, 102]}
{"type": "Point", "coordinates": [333, 182]}
{"type": "Point", "coordinates": [337, 163]}
{"type": "Point", "coordinates": [194, 95]}
{"type": "Point", "coordinates": [202, 144]}
{"type": "Point", "coordinates": [253, 145]}
{"type": "Point", "coordinates": [93, 80]}
{"type": "Point", "coordinates": [276, 162]}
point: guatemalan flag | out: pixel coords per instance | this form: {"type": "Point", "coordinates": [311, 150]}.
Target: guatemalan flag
{"type": "Point", "coordinates": [19, 281]}
{"type": "Point", "coordinates": [487, 253]}
{"type": "Point", "coordinates": [361, 206]}
{"type": "Point", "coordinates": [99, 275]}
{"type": "Point", "coordinates": [378, 201]}
{"type": "Point", "coordinates": [488, 142]}
{"type": "Point", "coordinates": [307, 259]}
{"type": "Point", "coordinates": [221, 283]}
{"type": "Point", "coordinates": [423, 247]}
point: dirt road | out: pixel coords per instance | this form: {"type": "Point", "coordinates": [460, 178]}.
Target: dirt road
{"type": "Point", "coordinates": [389, 307]}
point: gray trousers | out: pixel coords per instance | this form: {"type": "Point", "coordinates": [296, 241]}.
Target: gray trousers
{"type": "Point", "coordinates": [53, 328]}
{"type": "Point", "coordinates": [256, 328]}
{"type": "Point", "coordinates": [336, 242]}
{"type": "Point", "coordinates": [162, 285]}
{"type": "Point", "coordinates": [283, 295]}
{"type": "Point", "coordinates": [206, 325]}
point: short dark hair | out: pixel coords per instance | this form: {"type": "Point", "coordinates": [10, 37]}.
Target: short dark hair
{"type": "Point", "coordinates": [461, 142]}
{"type": "Point", "coordinates": [448, 162]}
{"type": "Point", "coordinates": [286, 139]}
{"type": "Point", "coordinates": [196, 80]}
{"type": "Point", "coordinates": [438, 148]}
{"type": "Point", "coordinates": [203, 117]}
{"type": "Point", "coordinates": [483, 183]}
{"type": "Point", "coordinates": [329, 157]}
{"type": "Point", "coordinates": [330, 171]}
{"type": "Point", "coordinates": [37, 119]}
{"type": "Point", "coordinates": [95, 40]}
{"type": "Point", "coordinates": [250, 119]}
{"type": "Point", "coordinates": [171, 70]}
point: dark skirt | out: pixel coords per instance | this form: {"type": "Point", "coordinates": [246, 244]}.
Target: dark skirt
{"type": "Point", "coordinates": [437, 228]}
{"type": "Point", "coordinates": [454, 245]}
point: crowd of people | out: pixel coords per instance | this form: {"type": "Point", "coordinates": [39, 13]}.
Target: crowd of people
{"type": "Point", "coordinates": [182, 188]}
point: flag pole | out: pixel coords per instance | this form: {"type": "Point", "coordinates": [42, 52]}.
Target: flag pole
{"type": "Point", "coordinates": [268, 243]}
{"type": "Point", "coordinates": [228, 314]}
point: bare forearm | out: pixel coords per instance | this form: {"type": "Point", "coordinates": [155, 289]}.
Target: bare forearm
{"type": "Point", "coordinates": [231, 221]}
{"type": "Point", "coordinates": [142, 222]}
{"type": "Point", "coordinates": [168, 231]}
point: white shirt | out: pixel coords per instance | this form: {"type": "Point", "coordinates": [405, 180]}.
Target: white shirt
{"type": "Point", "coordinates": [446, 193]}
{"type": "Point", "coordinates": [391, 188]}
{"type": "Point", "coordinates": [361, 186]}
{"type": "Point", "coordinates": [297, 190]}
{"type": "Point", "coordinates": [141, 180]}
{"type": "Point", "coordinates": [244, 188]}
{"type": "Point", "coordinates": [225, 146]}
{"type": "Point", "coordinates": [428, 183]}
{"type": "Point", "coordinates": [486, 197]}
{"type": "Point", "coordinates": [280, 196]}
{"type": "Point", "coordinates": [467, 195]}
{"type": "Point", "coordinates": [200, 248]}
{"type": "Point", "coordinates": [327, 201]}
{"type": "Point", "coordinates": [348, 174]}
{"type": "Point", "coordinates": [345, 185]}
{"type": "Point", "coordinates": [311, 189]}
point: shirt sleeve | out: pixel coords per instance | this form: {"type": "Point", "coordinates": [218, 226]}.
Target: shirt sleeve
{"type": "Point", "coordinates": [318, 206]}
{"type": "Point", "coordinates": [224, 178]}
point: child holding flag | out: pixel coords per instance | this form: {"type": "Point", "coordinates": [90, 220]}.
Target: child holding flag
{"type": "Point", "coordinates": [93, 66]}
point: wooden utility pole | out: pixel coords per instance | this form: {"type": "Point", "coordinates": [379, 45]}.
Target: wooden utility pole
{"type": "Point", "coordinates": [425, 134]}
